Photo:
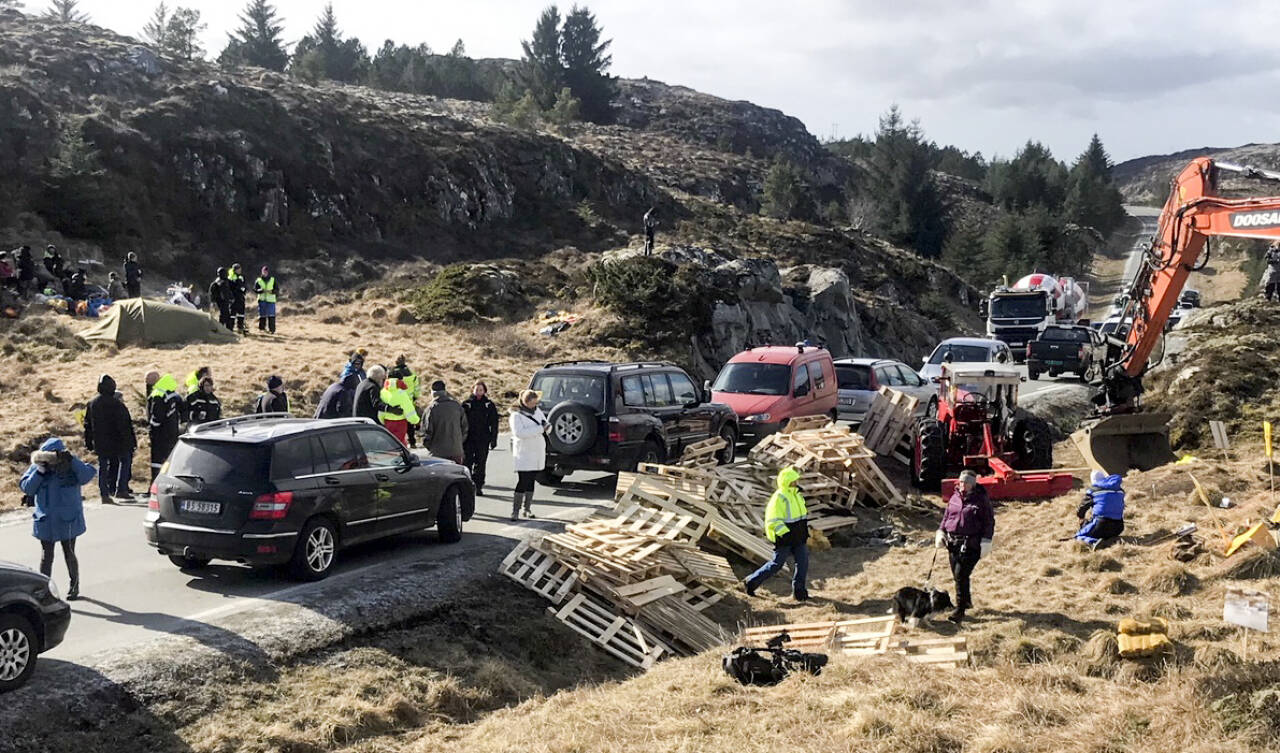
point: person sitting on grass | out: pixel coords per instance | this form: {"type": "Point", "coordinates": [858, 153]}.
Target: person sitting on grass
{"type": "Point", "coordinates": [1105, 498]}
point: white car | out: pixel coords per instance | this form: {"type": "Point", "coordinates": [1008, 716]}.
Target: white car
{"type": "Point", "coordinates": [964, 350]}
{"type": "Point", "coordinates": [860, 378]}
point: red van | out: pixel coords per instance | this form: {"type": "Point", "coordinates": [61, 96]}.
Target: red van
{"type": "Point", "coordinates": [767, 386]}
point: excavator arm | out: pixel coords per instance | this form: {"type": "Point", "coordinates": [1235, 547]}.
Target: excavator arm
{"type": "Point", "coordinates": [1126, 437]}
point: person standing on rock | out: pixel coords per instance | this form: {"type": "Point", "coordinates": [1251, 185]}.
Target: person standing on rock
{"type": "Point", "coordinates": [967, 530]}
{"type": "Point", "coordinates": [650, 229]}
{"type": "Point", "coordinates": [266, 289]}
{"type": "Point", "coordinates": [445, 430]}
{"type": "Point", "coordinates": [165, 412]}
{"type": "Point", "coordinates": [220, 296]}
{"type": "Point", "coordinates": [1271, 278]}
{"type": "Point", "coordinates": [108, 431]}
{"type": "Point", "coordinates": [54, 480]}
{"type": "Point", "coordinates": [132, 275]}
{"type": "Point", "coordinates": [239, 289]}
{"type": "Point", "coordinates": [482, 432]}
{"type": "Point", "coordinates": [528, 450]}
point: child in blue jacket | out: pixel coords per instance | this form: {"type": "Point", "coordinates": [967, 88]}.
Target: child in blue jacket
{"type": "Point", "coordinates": [1105, 498]}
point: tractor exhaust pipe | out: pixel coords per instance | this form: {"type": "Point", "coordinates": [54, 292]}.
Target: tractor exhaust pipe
{"type": "Point", "coordinates": [1115, 444]}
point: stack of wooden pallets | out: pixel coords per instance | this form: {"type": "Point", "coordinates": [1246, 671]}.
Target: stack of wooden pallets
{"type": "Point", "coordinates": [835, 452]}
{"type": "Point", "coordinates": [867, 636]}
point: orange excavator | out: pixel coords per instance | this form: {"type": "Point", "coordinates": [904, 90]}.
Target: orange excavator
{"type": "Point", "coordinates": [1121, 436]}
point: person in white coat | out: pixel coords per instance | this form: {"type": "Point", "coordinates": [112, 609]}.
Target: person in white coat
{"type": "Point", "coordinates": [528, 448]}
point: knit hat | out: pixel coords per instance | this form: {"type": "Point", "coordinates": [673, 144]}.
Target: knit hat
{"type": "Point", "coordinates": [1097, 477]}
{"type": "Point", "coordinates": [274, 381]}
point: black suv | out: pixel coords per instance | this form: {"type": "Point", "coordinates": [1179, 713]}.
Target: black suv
{"type": "Point", "coordinates": [610, 416]}
{"type": "Point", "coordinates": [269, 490]}
{"type": "Point", "coordinates": [33, 619]}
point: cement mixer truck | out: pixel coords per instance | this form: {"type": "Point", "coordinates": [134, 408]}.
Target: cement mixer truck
{"type": "Point", "coordinates": [1017, 314]}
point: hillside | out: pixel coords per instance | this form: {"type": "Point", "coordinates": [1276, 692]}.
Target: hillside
{"type": "Point", "coordinates": [1145, 180]}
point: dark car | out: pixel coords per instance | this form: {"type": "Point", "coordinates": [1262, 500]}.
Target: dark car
{"type": "Point", "coordinates": [33, 619]}
{"type": "Point", "coordinates": [1075, 348]}
{"type": "Point", "coordinates": [270, 490]}
{"type": "Point", "coordinates": [611, 416]}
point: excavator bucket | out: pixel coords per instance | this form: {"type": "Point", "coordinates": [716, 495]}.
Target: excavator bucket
{"type": "Point", "coordinates": [1133, 440]}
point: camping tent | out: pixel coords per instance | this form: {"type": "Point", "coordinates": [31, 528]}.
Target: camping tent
{"type": "Point", "coordinates": [137, 321]}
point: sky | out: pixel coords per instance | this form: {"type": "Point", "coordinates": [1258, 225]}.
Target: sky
{"type": "Point", "coordinates": [1147, 75]}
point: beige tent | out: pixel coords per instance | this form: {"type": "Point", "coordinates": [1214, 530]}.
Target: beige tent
{"type": "Point", "coordinates": [137, 321]}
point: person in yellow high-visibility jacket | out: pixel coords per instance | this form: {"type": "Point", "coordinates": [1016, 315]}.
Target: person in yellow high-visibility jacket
{"type": "Point", "coordinates": [398, 410]}
{"type": "Point", "coordinates": [268, 290]}
{"type": "Point", "coordinates": [786, 525]}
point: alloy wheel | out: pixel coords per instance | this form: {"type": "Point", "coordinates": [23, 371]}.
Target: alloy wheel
{"type": "Point", "coordinates": [569, 428]}
{"type": "Point", "coordinates": [320, 549]}
{"type": "Point", "coordinates": [15, 654]}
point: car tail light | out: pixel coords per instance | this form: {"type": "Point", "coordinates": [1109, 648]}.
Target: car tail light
{"type": "Point", "coordinates": [615, 430]}
{"type": "Point", "coordinates": [271, 506]}
{"type": "Point", "coordinates": [1028, 350]}
{"type": "Point", "coordinates": [153, 501]}
{"type": "Point", "coordinates": [1080, 355]}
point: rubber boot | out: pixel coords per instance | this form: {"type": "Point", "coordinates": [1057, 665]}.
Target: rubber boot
{"type": "Point", "coordinates": [528, 505]}
{"type": "Point", "coordinates": [516, 498]}
{"type": "Point", "coordinates": [262, 324]}
{"type": "Point", "coordinates": [271, 324]}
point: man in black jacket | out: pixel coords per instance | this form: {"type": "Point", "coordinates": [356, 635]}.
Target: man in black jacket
{"type": "Point", "coordinates": [108, 431]}
{"type": "Point", "coordinates": [132, 275]}
{"type": "Point", "coordinates": [165, 412]}
{"type": "Point", "coordinates": [202, 405]}
{"type": "Point", "coordinates": [239, 288]}
{"type": "Point", "coordinates": [220, 296]}
{"type": "Point", "coordinates": [482, 432]}
{"type": "Point", "coordinates": [337, 399]}
{"type": "Point", "coordinates": [368, 399]}
{"type": "Point", "coordinates": [274, 400]}
{"type": "Point", "coordinates": [26, 270]}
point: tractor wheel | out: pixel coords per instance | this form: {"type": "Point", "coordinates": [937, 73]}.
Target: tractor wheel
{"type": "Point", "coordinates": [1035, 448]}
{"type": "Point", "coordinates": [929, 461]}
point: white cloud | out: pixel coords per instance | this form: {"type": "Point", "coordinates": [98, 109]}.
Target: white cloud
{"type": "Point", "coordinates": [985, 74]}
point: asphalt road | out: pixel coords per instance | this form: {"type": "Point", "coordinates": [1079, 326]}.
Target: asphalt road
{"type": "Point", "coordinates": [1150, 218]}
{"type": "Point", "coordinates": [133, 595]}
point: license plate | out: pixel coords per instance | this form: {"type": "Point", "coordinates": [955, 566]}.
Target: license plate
{"type": "Point", "coordinates": [1054, 363]}
{"type": "Point", "coordinates": [847, 401]}
{"type": "Point", "coordinates": [200, 507]}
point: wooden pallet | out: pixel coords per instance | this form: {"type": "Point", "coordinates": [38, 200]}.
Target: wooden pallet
{"type": "Point", "coordinates": [621, 636]}
{"type": "Point", "coordinates": [939, 652]}
{"type": "Point", "coordinates": [859, 633]}
{"type": "Point", "coordinates": [697, 565]}
{"type": "Point", "coordinates": [891, 415]}
{"type": "Point", "coordinates": [539, 571]}
{"type": "Point", "coordinates": [801, 423]}
{"type": "Point", "coordinates": [865, 632]}
{"type": "Point", "coordinates": [683, 625]}
{"type": "Point", "coordinates": [811, 636]}
{"type": "Point", "coordinates": [658, 524]}
{"type": "Point", "coordinates": [703, 454]}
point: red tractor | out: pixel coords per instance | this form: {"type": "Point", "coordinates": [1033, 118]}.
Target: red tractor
{"type": "Point", "coordinates": [979, 426]}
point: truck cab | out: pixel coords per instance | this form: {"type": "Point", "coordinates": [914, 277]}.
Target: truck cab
{"type": "Point", "coordinates": [1017, 317]}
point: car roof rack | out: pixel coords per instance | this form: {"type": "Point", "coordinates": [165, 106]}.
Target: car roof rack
{"type": "Point", "coordinates": [223, 423]}
{"type": "Point", "coordinates": [642, 365]}
{"type": "Point", "coordinates": [575, 362]}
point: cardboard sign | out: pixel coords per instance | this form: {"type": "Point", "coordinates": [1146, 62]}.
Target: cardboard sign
{"type": "Point", "coordinates": [1246, 608]}
{"type": "Point", "coordinates": [1220, 438]}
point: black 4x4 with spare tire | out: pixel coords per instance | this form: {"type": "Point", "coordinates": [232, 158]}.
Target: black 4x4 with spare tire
{"type": "Point", "coordinates": [611, 416]}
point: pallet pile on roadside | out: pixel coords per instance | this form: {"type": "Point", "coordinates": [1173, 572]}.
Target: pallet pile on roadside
{"type": "Point", "coordinates": [867, 636]}
{"type": "Point", "coordinates": [888, 424]}
{"type": "Point", "coordinates": [636, 580]}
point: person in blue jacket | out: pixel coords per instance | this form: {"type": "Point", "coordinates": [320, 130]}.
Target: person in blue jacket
{"type": "Point", "coordinates": [1105, 498]}
{"type": "Point", "coordinates": [54, 480]}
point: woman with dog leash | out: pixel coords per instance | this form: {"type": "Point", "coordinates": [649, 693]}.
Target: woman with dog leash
{"type": "Point", "coordinates": [968, 526]}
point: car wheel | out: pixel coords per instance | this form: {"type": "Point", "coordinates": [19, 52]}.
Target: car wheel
{"type": "Point", "coordinates": [18, 648]}
{"type": "Point", "coordinates": [316, 551]}
{"type": "Point", "coordinates": [1033, 375]}
{"type": "Point", "coordinates": [572, 428]}
{"type": "Point", "coordinates": [449, 517]}
{"type": "Point", "coordinates": [730, 452]}
{"type": "Point", "coordinates": [650, 453]}
{"type": "Point", "coordinates": [189, 563]}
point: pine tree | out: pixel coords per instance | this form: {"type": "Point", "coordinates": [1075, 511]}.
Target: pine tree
{"type": "Point", "coordinates": [327, 54]}
{"type": "Point", "coordinates": [566, 110]}
{"type": "Point", "coordinates": [586, 65]}
{"type": "Point", "coordinates": [182, 34]}
{"type": "Point", "coordinates": [66, 11]}
{"type": "Point", "coordinates": [1092, 200]}
{"type": "Point", "coordinates": [542, 68]}
{"type": "Point", "coordinates": [258, 41]}
{"type": "Point", "coordinates": [1033, 177]}
{"type": "Point", "coordinates": [783, 189]}
{"type": "Point", "coordinates": [157, 29]}
{"type": "Point", "coordinates": [912, 210]}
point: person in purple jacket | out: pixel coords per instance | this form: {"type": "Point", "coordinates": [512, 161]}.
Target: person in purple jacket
{"type": "Point", "coordinates": [968, 527]}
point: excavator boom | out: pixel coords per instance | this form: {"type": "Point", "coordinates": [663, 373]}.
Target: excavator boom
{"type": "Point", "coordinates": [1126, 438]}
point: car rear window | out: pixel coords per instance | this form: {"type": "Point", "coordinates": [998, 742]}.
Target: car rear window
{"type": "Point", "coordinates": [853, 376]}
{"type": "Point", "coordinates": [559, 388]}
{"type": "Point", "coordinates": [215, 462]}
{"type": "Point", "coordinates": [754, 379]}
{"type": "Point", "coordinates": [1061, 334]}
{"type": "Point", "coordinates": [960, 354]}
